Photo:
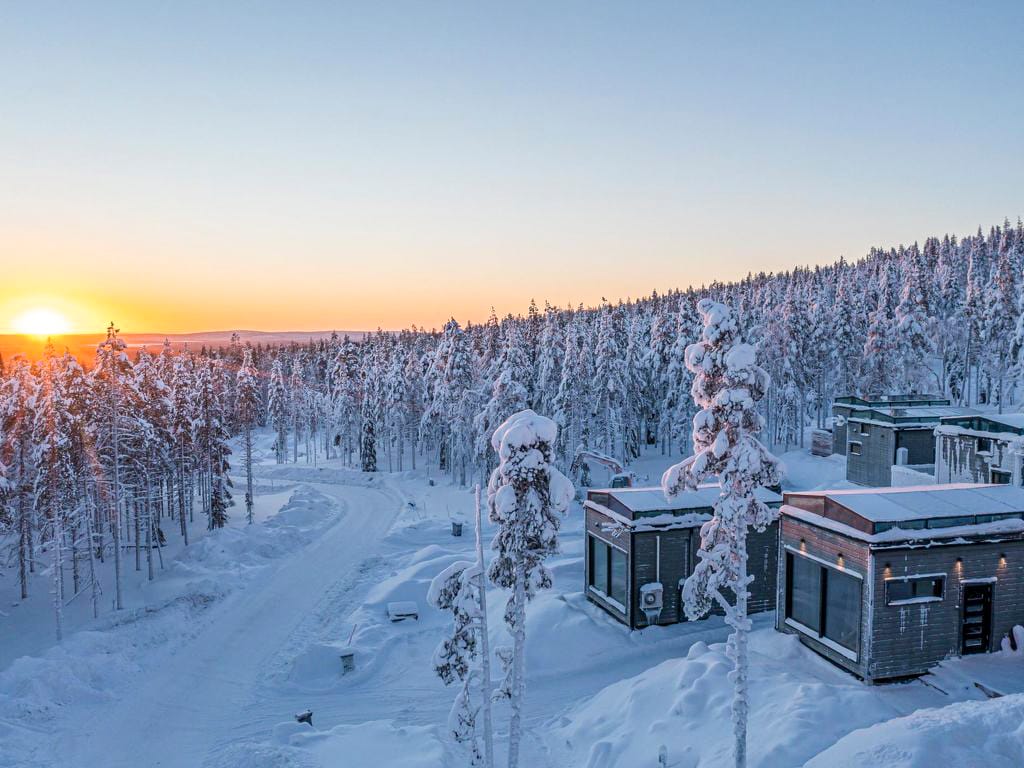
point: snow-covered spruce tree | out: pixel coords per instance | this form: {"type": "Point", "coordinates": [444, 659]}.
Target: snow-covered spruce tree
{"type": "Point", "coordinates": [879, 365]}
{"type": "Point", "coordinates": [457, 590]}
{"type": "Point", "coordinates": [279, 406]}
{"type": "Point", "coordinates": [525, 497]}
{"type": "Point", "coordinates": [247, 401]}
{"type": "Point", "coordinates": [55, 480]}
{"type": "Point", "coordinates": [609, 386]}
{"type": "Point", "coordinates": [509, 393]}
{"type": "Point", "coordinates": [1000, 321]}
{"type": "Point", "coordinates": [913, 326]}
{"type": "Point", "coordinates": [550, 356]}
{"type": "Point", "coordinates": [114, 398]}
{"type": "Point", "coordinates": [17, 418]}
{"type": "Point", "coordinates": [727, 385]}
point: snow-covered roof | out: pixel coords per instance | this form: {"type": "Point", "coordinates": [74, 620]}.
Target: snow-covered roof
{"type": "Point", "coordinates": [1012, 421]}
{"type": "Point", "coordinates": [1015, 420]}
{"type": "Point", "coordinates": [960, 534]}
{"type": "Point", "coordinates": [916, 412]}
{"type": "Point", "coordinates": [922, 502]}
{"type": "Point", "coordinates": [653, 499]}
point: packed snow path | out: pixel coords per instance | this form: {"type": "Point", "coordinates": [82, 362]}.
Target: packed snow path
{"type": "Point", "coordinates": [186, 704]}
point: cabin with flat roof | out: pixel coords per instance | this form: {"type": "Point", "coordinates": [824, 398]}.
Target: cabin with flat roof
{"type": "Point", "coordinates": [980, 449]}
{"type": "Point", "coordinates": [888, 582]}
{"type": "Point", "coordinates": [876, 435]}
{"type": "Point", "coordinates": [641, 547]}
{"type": "Point", "coordinates": [846, 406]}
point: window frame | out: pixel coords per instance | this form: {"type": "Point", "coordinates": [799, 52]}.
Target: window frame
{"type": "Point", "coordinates": [916, 599]}
{"type": "Point", "coordinates": [605, 591]}
{"type": "Point", "coordinates": [855, 444]}
{"type": "Point", "coordinates": [791, 553]}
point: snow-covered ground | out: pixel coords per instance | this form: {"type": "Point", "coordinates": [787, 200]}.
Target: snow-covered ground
{"type": "Point", "coordinates": [244, 628]}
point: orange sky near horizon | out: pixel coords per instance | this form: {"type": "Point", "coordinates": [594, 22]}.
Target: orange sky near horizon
{"type": "Point", "coordinates": [207, 167]}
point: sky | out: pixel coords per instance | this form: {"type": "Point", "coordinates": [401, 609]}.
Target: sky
{"type": "Point", "coordinates": [180, 166]}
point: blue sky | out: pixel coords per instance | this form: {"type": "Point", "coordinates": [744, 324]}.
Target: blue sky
{"type": "Point", "coordinates": [300, 165]}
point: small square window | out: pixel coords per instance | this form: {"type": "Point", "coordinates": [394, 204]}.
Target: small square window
{"type": "Point", "coordinates": [855, 449]}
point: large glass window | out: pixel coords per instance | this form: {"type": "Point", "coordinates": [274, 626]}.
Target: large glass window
{"type": "Point", "coordinates": [608, 574]}
{"type": "Point", "coordinates": [842, 608]}
{"type": "Point", "coordinates": [823, 600]}
{"type": "Point", "coordinates": [805, 592]}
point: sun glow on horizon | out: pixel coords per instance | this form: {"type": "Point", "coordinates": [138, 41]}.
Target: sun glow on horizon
{"type": "Point", "coordinates": [40, 322]}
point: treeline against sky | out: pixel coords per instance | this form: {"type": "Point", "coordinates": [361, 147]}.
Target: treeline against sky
{"type": "Point", "coordinates": [108, 457]}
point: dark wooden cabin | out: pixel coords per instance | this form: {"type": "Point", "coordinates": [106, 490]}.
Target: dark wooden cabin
{"type": "Point", "coordinates": [641, 547]}
{"type": "Point", "coordinates": [888, 582]}
{"type": "Point", "coordinates": [980, 449]}
{"type": "Point", "coordinates": [849, 405]}
{"type": "Point", "coordinates": [874, 437]}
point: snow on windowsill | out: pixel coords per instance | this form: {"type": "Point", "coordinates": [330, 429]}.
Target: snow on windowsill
{"type": "Point", "coordinates": [916, 600]}
{"type": "Point", "coordinates": [830, 644]}
{"type": "Point", "coordinates": [606, 599]}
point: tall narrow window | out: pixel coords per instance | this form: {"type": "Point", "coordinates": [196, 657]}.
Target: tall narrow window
{"type": "Point", "coordinates": [842, 608]}
{"type": "Point", "coordinates": [805, 586]}
{"type": "Point", "coordinates": [608, 571]}
{"type": "Point", "coordinates": [618, 576]}
{"type": "Point", "coordinates": [598, 564]}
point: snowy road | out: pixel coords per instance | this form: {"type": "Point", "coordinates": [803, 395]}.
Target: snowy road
{"type": "Point", "coordinates": [189, 703]}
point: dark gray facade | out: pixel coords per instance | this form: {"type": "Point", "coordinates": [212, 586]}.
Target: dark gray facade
{"type": "Point", "coordinates": [980, 449]}
{"type": "Point", "coordinates": [873, 437]}
{"type": "Point", "coordinates": [915, 595]}
{"type": "Point", "coordinates": [849, 405]}
{"type": "Point", "coordinates": [635, 539]}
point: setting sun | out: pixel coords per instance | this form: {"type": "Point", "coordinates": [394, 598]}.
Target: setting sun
{"type": "Point", "coordinates": [41, 322]}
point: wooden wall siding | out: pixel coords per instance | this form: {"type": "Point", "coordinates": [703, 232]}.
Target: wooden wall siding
{"type": "Point", "coordinates": [920, 445]}
{"type": "Point", "coordinates": [815, 504]}
{"type": "Point", "coordinates": [595, 521]}
{"type": "Point", "coordinates": [676, 562]}
{"type": "Point", "coordinates": [909, 639]}
{"type": "Point", "coordinates": [878, 452]}
{"type": "Point", "coordinates": [836, 511]}
{"type": "Point", "coordinates": [839, 432]}
{"type": "Point", "coordinates": [762, 560]}
{"type": "Point", "coordinates": [678, 557]}
{"type": "Point", "coordinates": [959, 461]}
{"type": "Point", "coordinates": [825, 545]}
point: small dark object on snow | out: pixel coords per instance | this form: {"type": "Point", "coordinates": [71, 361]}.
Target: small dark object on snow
{"type": "Point", "coordinates": [305, 717]}
{"type": "Point", "coordinates": [348, 662]}
{"type": "Point", "coordinates": [456, 528]}
{"type": "Point", "coordinates": [430, 483]}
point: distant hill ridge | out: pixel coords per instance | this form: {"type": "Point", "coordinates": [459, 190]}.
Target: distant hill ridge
{"type": "Point", "coordinates": [83, 345]}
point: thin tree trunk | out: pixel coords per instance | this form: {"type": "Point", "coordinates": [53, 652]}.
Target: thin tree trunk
{"type": "Point", "coordinates": [518, 689]}
{"type": "Point", "coordinates": [485, 641]}
{"type": "Point", "coordinates": [248, 473]}
{"type": "Point", "coordinates": [738, 651]}
{"type": "Point", "coordinates": [94, 587]}
{"type": "Point", "coordinates": [116, 517]}
{"type": "Point", "coordinates": [58, 573]}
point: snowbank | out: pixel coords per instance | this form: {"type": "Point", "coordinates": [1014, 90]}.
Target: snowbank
{"type": "Point", "coordinates": [971, 733]}
{"type": "Point", "coordinates": [683, 706]}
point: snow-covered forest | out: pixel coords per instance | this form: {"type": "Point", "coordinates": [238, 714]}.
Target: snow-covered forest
{"type": "Point", "coordinates": [126, 450]}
